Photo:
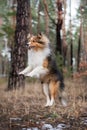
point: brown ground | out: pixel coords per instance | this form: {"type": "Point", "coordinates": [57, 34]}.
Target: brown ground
{"type": "Point", "coordinates": [24, 108]}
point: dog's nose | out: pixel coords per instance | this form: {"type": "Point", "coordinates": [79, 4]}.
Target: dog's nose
{"type": "Point", "coordinates": [27, 44]}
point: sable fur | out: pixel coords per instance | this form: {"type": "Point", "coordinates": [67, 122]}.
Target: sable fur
{"type": "Point", "coordinates": [42, 65]}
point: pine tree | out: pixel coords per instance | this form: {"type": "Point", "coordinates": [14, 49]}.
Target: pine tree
{"type": "Point", "coordinates": [59, 27]}
{"type": "Point", "coordinates": [19, 52]}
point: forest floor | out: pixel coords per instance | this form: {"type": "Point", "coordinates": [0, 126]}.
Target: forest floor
{"type": "Point", "coordinates": [23, 109]}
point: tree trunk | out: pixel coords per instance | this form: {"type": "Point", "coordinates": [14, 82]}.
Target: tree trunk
{"type": "Point", "coordinates": [64, 43]}
{"type": "Point", "coordinates": [59, 27]}
{"type": "Point", "coordinates": [30, 19]}
{"type": "Point", "coordinates": [46, 17]}
{"type": "Point", "coordinates": [71, 55]}
{"type": "Point", "coordinates": [80, 42]}
{"type": "Point", "coordinates": [71, 42]}
{"type": "Point", "coordinates": [39, 9]}
{"type": "Point", "coordinates": [78, 55]}
{"type": "Point", "coordinates": [19, 52]}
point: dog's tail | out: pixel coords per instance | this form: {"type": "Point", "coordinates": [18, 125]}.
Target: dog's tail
{"type": "Point", "coordinates": [62, 94]}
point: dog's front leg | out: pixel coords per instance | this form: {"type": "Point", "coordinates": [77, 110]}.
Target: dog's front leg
{"type": "Point", "coordinates": [40, 70]}
{"type": "Point", "coordinates": [26, 70]}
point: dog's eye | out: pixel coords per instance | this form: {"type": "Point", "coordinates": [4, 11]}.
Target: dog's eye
{"type": "Point", "coordinates": [33, 41]}
{"type": "Point", "coordinates": [39, 37]}
{"type": "Point", "coordinates": [41, 42]}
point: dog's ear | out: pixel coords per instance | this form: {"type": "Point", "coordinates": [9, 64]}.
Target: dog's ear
{"type": "Point", "coordinates": [40, 35]}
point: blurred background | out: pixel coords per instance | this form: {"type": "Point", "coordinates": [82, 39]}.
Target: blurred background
{"type": "Point", "coordinates": [63, 21]}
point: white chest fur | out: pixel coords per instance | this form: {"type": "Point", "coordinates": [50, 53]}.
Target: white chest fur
{"type": "Point", "coordinates": [36, 58]}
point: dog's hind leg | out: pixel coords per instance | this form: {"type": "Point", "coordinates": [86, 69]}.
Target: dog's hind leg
{"type": "Point", "coordinates": [46, 92]}
{"type": "Point", "coordinates": [62, 94]}
{"type": "Point", "coordinates": [53, 87]}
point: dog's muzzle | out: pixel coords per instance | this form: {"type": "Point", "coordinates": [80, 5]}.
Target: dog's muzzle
{"type": "Point", "coordinates": [29, 46]}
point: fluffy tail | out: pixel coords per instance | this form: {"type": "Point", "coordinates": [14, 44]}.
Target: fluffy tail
{"type": "Point", "coordinates": [62, 94]}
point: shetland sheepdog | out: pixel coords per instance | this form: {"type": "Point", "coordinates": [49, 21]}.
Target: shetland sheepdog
{"type": "Point", "coordinates": [42, 65]}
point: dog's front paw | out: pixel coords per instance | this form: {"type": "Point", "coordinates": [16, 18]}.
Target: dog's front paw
{"type": "Point", "coordinates": [32, 75]}
{"type": "Point", "coordinates": [29, 75]}
{"type": "Point", "coordinates": [21, 73]}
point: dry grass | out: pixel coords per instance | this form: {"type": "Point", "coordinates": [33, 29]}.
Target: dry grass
{"type": "Point", "coordinates": [77, 94]}
{"type": "Point", "coordinates": [31, 99]}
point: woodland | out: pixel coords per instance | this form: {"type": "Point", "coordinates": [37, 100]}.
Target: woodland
{"type": "Point", "coordinates": [64, 22]}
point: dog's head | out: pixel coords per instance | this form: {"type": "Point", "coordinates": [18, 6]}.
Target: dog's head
{"type": "Point", "coordinates": [37, 42]}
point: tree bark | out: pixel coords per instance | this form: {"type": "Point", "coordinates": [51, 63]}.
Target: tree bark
{"type": "Point", "coordinates": [78, 54]}
{"type": "Point", "coordinates": [80, 42]}
{"type": "Point", "coordinates": [39, 9]}
{"type": "Point", "coordinates": [64, 43]}
{"type": "Point", "coordinates": [71, 42]}
{"type": "Point", "coordinates": [46, 17]}
{"type": "Point", "coordinates": [59, 27]}
{"type": "Point", "coordinates": [30, 18]}
{"type": "Point", "coordinates": [19, 52]}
